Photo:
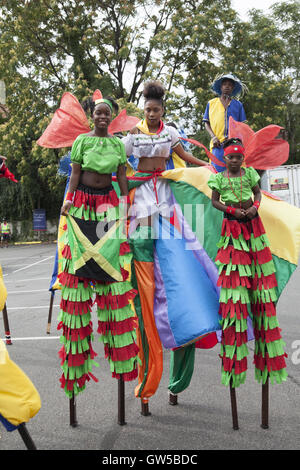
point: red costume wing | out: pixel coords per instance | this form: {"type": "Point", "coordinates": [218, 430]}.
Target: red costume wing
{"type": "Point", "coordinates": [68, 121]}
{"type": "Point", "coordinates": [5, 173]}
{"type": "Point", "coordinates": [210, 155]}
{"type": "Point", "coordinates": [97, 95]}
{"type": "Point", "coordinates": [240, 130]}
{"type": "Point", "coordinates": [122, 123]}
{"type": "Point", "coordinates": [265, 150]}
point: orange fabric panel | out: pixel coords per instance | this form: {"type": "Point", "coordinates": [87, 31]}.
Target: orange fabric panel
{"type": "Point", "coordinates": [146, 286]}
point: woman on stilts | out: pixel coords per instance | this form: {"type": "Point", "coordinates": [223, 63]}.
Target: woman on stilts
{"type": "Point", "coordinates": [246, 275]}
{"type": "Point", "coordinates": [94, 260]}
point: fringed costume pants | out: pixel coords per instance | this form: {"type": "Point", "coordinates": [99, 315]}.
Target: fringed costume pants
{"type": "Point", "coordinates": [248, 287]}
{"type": "Point", "coordinates": [115, 312]}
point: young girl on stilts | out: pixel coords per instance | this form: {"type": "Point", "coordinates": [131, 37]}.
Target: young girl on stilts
{"type": "Point", "coordinates": [246, 275]}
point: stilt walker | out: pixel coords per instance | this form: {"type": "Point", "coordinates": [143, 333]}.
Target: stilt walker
{"type": "Point", "coordinates": [93, 264]}
{"type": "Point", "coordinates": [247, 279]}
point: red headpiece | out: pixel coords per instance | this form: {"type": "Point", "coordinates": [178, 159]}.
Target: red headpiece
{"type": "Point", "coordinates": [235, 148]}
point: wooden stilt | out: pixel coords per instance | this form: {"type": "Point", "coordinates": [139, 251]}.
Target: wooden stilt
{"type": "Point", "coordinates": [145, 408]}
{"type": "Point", "coordinates": [265, 405]}
{"type": "Point", "coordinates": [73, 417]}
{"type": "Point", "coordinates": [235, 423]}
{"type": "Point", "coordinates": [23, 431]}
{"type": "Point", "coordinates": [173, 399]}
{"type": "Point", "coordinates": [6, 326]}
{"type": "Point", "coordinates": [121, 401]}
{"type": "Point", "coordinates": [50, 312]}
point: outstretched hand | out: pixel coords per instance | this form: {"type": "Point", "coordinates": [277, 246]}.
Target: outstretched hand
{"type": "Point", "coordinates": [65, 208]}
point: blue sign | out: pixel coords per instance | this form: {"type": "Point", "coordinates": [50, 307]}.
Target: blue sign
{"type": "Point", "coordinates": [39, 220]}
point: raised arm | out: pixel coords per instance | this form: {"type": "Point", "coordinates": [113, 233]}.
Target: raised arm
{"type": "Point", "coordinates": [188, 157]}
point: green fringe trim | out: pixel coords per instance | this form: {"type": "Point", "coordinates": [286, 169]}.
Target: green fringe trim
{"type": "Point", "coordinates": [274, 349]}
{"type": "Point", "coordinates": [241, 351]}
{"type": "Point", "coordinates": [121, 367]}
{"type": "Point", "coordinates": [243, 269]}
{"type": "Point", "coordinates": [264, 296]}
{"type": "Point", "coordinates": [239, 293]}
{"type": "Point", "coordinates": [118, 341]}
{"type": "Point", "coordinates": [237, 380]}
{"type": "Point", "coordinates": [74, 321]}
{"type": "Point", "coordinates": [79, 346]}
{"type": "Point", "coordinates": [119, 314]}
{"type": "Point", "coordinates": [266, 269]}
{"type": "Point", "coordinates": [277, 376]}
{"type": "Point", "coordinates": [74, 373]}
{"type": "Point", "coordinates": [80, 294]}
{"type": "Point", "coordinates": [240, 325]}
{"type": "Point", "coordinates": [116, 288]}
{"type": "Point", "coordinates": [112, 213]}
{"type": "Point", "coordinates": [259, 243]}
{"type": "Point", "coordinates": [268, 323]}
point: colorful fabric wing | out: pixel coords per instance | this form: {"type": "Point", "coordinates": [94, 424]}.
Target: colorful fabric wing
{"type": "Point", "coordinates": [122, 123]}
{"type": "Point", "coordinates": [263, 149]}
{"type": "Point", "coordinates": [68, 121]}
{"type": "Point", "coordinates": [5, 173]}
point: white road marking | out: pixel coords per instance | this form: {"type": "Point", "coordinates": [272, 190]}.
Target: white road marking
{"type": "Point", "coordinates": [32, 338]}
{"type": "Point", "coordinates": [24, 308]}
{"type": "Point", "coordinates": [30, 265]}
{"type": "Point", "coordinates": [27, 291]}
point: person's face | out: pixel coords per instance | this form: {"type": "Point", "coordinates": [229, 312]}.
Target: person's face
{"type": "Point", "coordinates": [102, 116]}
{"type": "Point", "coordinates": [153, 111]}
{"type": "Point", "coordinates": [227, 87]}
{"type": "Point", "coordinates": [234, 161]}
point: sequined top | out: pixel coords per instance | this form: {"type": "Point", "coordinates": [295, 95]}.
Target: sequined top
{"type": "Point", "coordinates": [152, 145]}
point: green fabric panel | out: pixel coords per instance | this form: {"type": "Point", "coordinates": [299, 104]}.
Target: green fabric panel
{"type": "Point", "coordinates": [208, 232]}
{"type": "Point", "coordinates": [284, 270]}
{"type": "Point", "coordinates": [181, 368]}
{"type": "Point", "coordinates": [141, 244]}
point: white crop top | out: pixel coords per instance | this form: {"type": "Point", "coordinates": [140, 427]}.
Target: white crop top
{"type": "Point", "coordinates": [156, 145]}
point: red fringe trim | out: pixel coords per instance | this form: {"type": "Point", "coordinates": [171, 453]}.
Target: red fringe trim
{"type": "Point", "coordinates": [233, 280]}
{"type": "Point", "coordinates": [268, 336]}
{"type": "Point", "coordinates": [69, 280]}
{"type": "Point", "coordinates": [117, 328]}
{"type": "Point", "coordinates": [75, 333]}
{"type": "Point", "coordinates": [262, 256]}
{"type": "Point", "coordinates": [98, 202]}
{"type": "Point", "coordinates": [235, 228]}
{"type": "Point", "coordinates": [121, 354]}
{"type": "Point", "coordinates": [232, 309]}
{"type": "Point", "coordinates": [115, 301]}
{"type": "Point", "coordinates": [124, 248]}
{"type": "Point", "coordinates": [229, 364]}
{"type": "Point", "coordinates": [127, 376]}
{"type": "Point", "coordinates": [80, 382]}
{"type": "Point", "coordinates": [259, 308]}
{"type": "Point", "coordinates": [78, 359]}
{"type": "Point", "coordinates": [76, 308]}
{"type": "Point", "coordinates": [225, 255]}
{"type": "Point", "coordinates": [274, 363]}
{"type": "Point", "coordinates": [231, 337]}
{"type": "Point", "coordinates": [66, 252]}
{"type": "Point", "coordinates": [264, 282]}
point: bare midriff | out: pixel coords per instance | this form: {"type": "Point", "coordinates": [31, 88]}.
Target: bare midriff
{"type": "Point", "coordinates": [95, 180]}
{"type": "Point", "coordinates": [151, 164]}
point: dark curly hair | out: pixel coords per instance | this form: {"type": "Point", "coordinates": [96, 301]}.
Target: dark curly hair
{"type": "Point", "coordinates": [232, 141]}
{"type": "Point", "coordinates": [88, 105]}
{"type": "Point", "coordinates": [154, 90]}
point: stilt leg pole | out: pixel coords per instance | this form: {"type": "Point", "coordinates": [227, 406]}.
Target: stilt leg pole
{"type": "Point", "coordinates": [235, 423]}
{"type": "Point", "coordinates": [6, 326]}
{"type": "Point", "coordinates": [73, 417]}
{"type": "Point", "coordinates": [26, 437]}
{"type": "Point", "coordinates": [145, 408]}
{"type": "Point", "coordinates": [121, 401]}
{"type": "Point", "coordinates": [265, 405]}
{"type": "Point", "coordinates": [50, 312]}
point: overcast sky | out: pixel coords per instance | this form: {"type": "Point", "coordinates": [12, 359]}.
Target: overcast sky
{"type": "Point", "coordinates": [243, 6]}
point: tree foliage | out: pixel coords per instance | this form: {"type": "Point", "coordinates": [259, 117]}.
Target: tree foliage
{"type": "Point", "coordinates": [48, 47]}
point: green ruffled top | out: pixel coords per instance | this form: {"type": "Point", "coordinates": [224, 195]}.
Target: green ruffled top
{"type": "Point", "coordinates": [99, 154]}
{"type": "Point", "coordinates": [219, 182]}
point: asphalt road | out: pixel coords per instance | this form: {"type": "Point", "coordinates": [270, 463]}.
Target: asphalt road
{"type": "Point", "coordinates": [202, 419]}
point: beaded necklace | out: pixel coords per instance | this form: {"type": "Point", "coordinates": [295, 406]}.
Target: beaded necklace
{"type": "Point", "coordinates": [239, 200]}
